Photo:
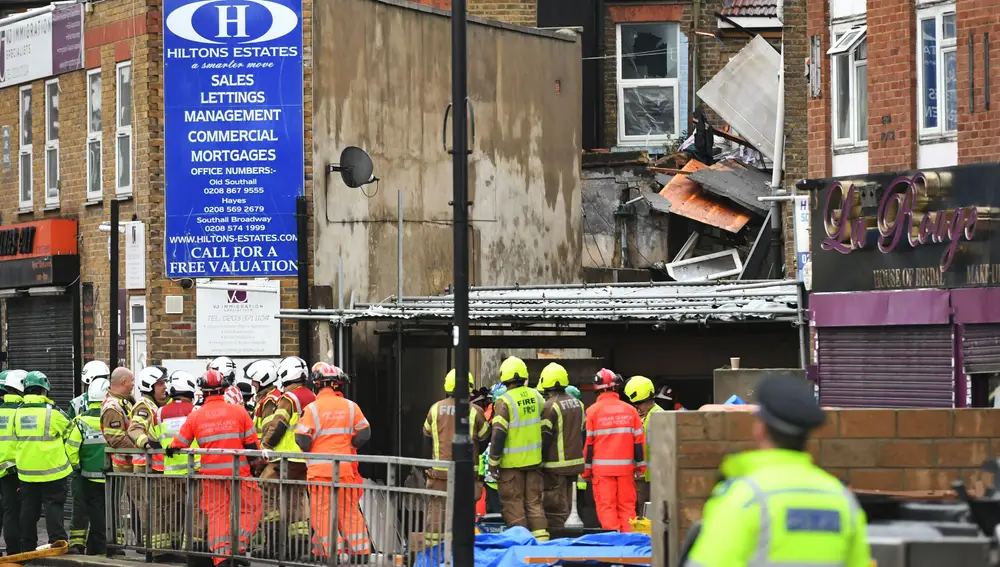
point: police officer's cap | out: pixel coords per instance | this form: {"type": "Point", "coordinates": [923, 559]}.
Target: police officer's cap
{"type": "Point", "coordinates": [788, 405]}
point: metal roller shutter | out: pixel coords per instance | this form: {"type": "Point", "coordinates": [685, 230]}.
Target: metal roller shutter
{"type": "Point", "coordinates": [887, 367]}
{"type": "Point", "coordinates": [40, 337]}
{"type": "Point", "coordinates": [981, 348]}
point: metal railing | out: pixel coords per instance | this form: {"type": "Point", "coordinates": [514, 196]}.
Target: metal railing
{"type": "Point", "coordinates": [276, 516]}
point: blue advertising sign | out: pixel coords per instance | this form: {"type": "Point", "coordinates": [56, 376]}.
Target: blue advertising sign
{"type": "Point", "coordinates": [233, 136]}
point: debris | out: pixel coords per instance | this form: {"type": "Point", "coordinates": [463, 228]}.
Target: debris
{"type": "Point", "coordinates": [734, 181]}
{"type": "Point", "coordinates": [688, 200]}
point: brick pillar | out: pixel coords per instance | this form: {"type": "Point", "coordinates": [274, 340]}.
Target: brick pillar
{"type": "Point", "coordinates": [978, 136]}
{"type": "Point", "coordinates": [819, 157]}
{"type": "Point", "coordinates": [796, 158]}
{"type": "Point", "coordinates": [892, 85]}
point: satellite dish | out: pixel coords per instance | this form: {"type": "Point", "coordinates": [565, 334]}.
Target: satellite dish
{"type": "Point", "coordinates": [355, 167]}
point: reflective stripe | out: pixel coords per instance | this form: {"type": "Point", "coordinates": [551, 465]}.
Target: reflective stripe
{"type": "Point", "coordinates": [638, 431]}
{"type": "Point", "coordinates": [6, 465]}
{"type": "Point", "coordinates": [183, 440]}
{"type": "Point", "coordinates": [315, 415]}
{"type": "Point", "coordinates": [87, 474]}
{"type": "Point", "coordinates": [361, 425]}
{"type": "Point", "coordinates": [612, 431]}
{"type": "Point", "coordinates": [561, 464]}
{"type": "Point", "coordinates": [613, 462]}
{"type": "Point", "coordinates": [72, 443]}
{"type": "Point", "coordinates": [334, 431]}
{"type": "Point", "coordinates": [44, 472]}
{"type": "Point", "coordinates": [522, 449]}
{"type": "Point", "coordinates": [219, 437]}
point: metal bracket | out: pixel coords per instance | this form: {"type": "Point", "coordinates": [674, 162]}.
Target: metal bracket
{"type": "Point", "coordinates": [472, 124]}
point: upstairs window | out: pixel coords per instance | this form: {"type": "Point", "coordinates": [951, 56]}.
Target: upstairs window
{"type": "Point", "coordinates": [95, 123]}
{"type": "Point", "coordinates": [123, 131]}
{"type": "Point", "coordinates": [937, 78]}
{"type": "Point", "coordinates": [52, 143]}
{"type": "Point", "coordinates": [849, 64]}
{"type": "Point", "coordinates": [24, 158]}
{"type": "Point", "coordinates": [648, 82]}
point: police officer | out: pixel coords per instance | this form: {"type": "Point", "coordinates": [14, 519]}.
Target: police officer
{"type": "Point", "coordinates": [775, 504]}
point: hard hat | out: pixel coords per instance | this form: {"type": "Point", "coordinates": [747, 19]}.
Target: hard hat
{"type": "Point", "coordinates": [573, 391]}
{"type": "Point", "coordinates": [325, 373]}
{"type": "Point", "coordinates": [37, 378]}
{"type": "Point", "coordinates": [497, 390]}
{"type": "Point", "coordinates": [665, 393]}
{"type": "Point", "coordinates": [513, 369]}
{"type": "Point", "coordinates": [606, 379]}
{"type": "Point", "coordinates": [245, 385]}
{"type": "Point", "coordinates": [94, 369]}
{"type": "Point", "coordinates": [15, 380]}
{"type": "Point", "coordinates": [639, 389]}
{"type": "Point", "coordinates": [182, 383]}
{"type": "Point", "coordinates": [291, 370]}
{"type": "Point", "coordinates": [232, 395]}
{"type": "Point", "coordinates": [263, 372]}
{"type": "Point", "coordinates": [225, 366]}
{"type": "Point", "coordinates": [4, 373]}
{"type": "Point", "coordinates": [149, 376]}
{"type": "Point", "coordinates": [98, 390]}
{"type": "Point", "coordinates": [553, 375]}
{"type": "Point", "coordinates": [212, 381]}
{"type": "Point", "coordinates": [449, 382]}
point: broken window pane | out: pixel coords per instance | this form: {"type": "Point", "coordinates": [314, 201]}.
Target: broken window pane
{"type": "Point", "coordinates": [843, 65]}
{"type": "Point", "coordinates": [649, 51]}
{"type": "Point", "coordinates": [649, 111]}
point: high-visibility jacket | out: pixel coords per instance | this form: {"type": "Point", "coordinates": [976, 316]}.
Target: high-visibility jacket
{"type": "Point", "coordinates": [563, 416]}
{"type": "Point", "coordinates": [8, 443]}
{"type": "Point", "coordinates": [141, 423]}
{"type": "Point", "coordinates": [777, 508]}
{"type": "Point", "coordinates": [267, 404]}
{"type": "Point", "coordinates": [615, 439]}
{"type": "Point", "coordinates": [169, 420]}
{"type": "Point", "coordinates": [519, 412]}
{"type": "Point", "coordinates": [40, 428]}
{"type": "Point", "coordinates": [85, 444]}
{"type": "Point", "coordinates": [219, 425]}
{"type": "Point", "coordinates": [645, 429]}
{"type": "Point", "coordinates": [78, 405]}
{"type": "Point", "coordinates": [331, 421]}
{"type": "Point", "coordinates": [440, 427]}
{"type": "Point", "coordinates": [289, 411]}
{"type": "Point", "coordinates": [114, 425]}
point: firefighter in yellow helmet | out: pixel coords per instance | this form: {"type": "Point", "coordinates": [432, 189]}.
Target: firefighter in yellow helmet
{"type": "Point", "coordinates": [563, 435]}
{"type": "Point", "coordinates": [516, 450]}
{"type": "Point", "coordinates": [439, 432]}
{"type": "Point", "coordinates": [640, 392]}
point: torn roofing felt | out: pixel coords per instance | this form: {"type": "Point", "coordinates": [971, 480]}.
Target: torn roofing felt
{"type": "Point", "coordinates": [734, 181]}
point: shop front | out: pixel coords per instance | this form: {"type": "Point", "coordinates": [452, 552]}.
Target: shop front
{"type": "Point", "coordinates": [39, 286]}
{"type": "Point", "coordinates": [906, 288]}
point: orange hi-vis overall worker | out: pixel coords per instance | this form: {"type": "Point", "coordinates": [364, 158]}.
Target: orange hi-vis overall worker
{"type": "Point", "coordinates": [334, 425]}
{"type": "Point", "coordinates": [220, 425]}
{"type": "Point", "coordinates": [615, 453]}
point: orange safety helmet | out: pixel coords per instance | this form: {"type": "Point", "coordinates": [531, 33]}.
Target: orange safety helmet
{"type": "Point", "coordinates": [324, 373]}
{"type": "Point", "coordinates": [606, 379]}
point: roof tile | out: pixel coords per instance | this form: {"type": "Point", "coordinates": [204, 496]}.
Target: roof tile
{"type": "Point", "coordinates": [750, 8]}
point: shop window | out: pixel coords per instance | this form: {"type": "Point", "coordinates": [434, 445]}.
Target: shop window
{"type": "Point", "coordinates": [849, 71]}
{"type": "Point", "coordinates": [95, 189]}
{"type": "Point", "coordinates": [123, 131]}
{"type": "Point", "coordinates": [24, 158]}
{"type": "Point", "coordinates": [937, 79]}
{"type": "Point", "coordinates": [648, 82]}
{"type": "Point", "coordinates": [52, 143]}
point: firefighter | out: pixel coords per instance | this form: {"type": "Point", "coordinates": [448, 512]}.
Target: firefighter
{"type": "Point", "coordinates": [13, 387]}
{"type": "Point", "coordinates": [334, 425]}
{"type": "Point", "coordinates": [439, 433]}
{"type": "Point", "coordinates": [563, 436]}
{"type": "Point", "coordinates": [219, 425]}
{"type": "Point", "coordinates": [91, 370]}
{"type": "Point", "coordinates": [85, 448]}
{"type": "Point", "coordinates": [516, 450]}
{"type": "Point", "coordinates": [615, 453]}
{"type": "Point", "coordinates": [665, 400]}
{"type": "Point", "coordinates": [264, 376]}
{"type": "Point", "coordinates": [115, 413]}
{"type": "Point", "coordinates": [279, 435]}
{"type": "Point", "coordinates": [152, 385]}
{"type": "Point", "coordinates": [169, 419]}
{"type": "Point", "coordinates": [640, 391]}
{"type": "Point", "coordinates": [42, 464]}
{"type": "Point", "coordinates": [489, 482]}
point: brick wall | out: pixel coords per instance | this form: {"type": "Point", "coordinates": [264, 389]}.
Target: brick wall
{"type": "Point", "coordinates": [978, 131]}
{"type": "Point", "coordinates": [892, 107]}
{"type": "Point", "coordinates": [894, 450]}
{"type": "Point", "coordinates": [520, 12]}
{"type": "Point", "coordinates": [819, 119]}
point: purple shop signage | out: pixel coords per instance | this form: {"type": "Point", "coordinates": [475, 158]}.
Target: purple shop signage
{"type": "Point", "coordinates": [48, 43]}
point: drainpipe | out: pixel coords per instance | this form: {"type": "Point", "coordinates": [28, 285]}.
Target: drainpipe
{"type": "Point", "coordinates": [779, 154]}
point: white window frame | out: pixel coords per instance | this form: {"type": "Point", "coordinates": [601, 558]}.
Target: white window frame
{"type": "Point", "coordinates": [841, 47]}
{"type": "Point", "coordinates": [943, 46]}
{"type": "Point", "coordinates": [51, 145]}
{"type": "Point", "coordinates": [25, 150]}
{"type": "Point", "coordinates": [123, 131]}
{"type": "Point", "coordinates": [622, 84]}
{"type": "Point", "coordinates": [95, 137]}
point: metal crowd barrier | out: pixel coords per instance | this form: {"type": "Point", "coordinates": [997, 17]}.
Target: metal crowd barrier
{"type": "Point", "coordinates": [280, 521]}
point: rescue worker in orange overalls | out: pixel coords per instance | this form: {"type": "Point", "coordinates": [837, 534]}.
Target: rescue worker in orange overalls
{"type": "Point", "coordinates": [220, 425]}
{"type": "Point", "coordinates": [615, 453]}
{"type": "Point", "coordinates": [334, 425]}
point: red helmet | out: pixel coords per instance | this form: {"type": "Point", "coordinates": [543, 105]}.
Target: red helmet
{"type": "Point", "coordinates": [606, 379]}
{"type": "Point", "coordinates": [213, 380]}
{"type": "Point", "coordinates": [328, 373]}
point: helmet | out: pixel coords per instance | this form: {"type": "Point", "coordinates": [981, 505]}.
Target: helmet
{"type": "Point", "coordinates": [639, 389]}
{"type": "Point", "coordinates": [553, 375]}
{"type": "Point", "coordinates": [262, 372]}
{"type": "Point", "coordinates": [15, 380]}
{"type": "Point", "coordinates": [94, 369]}
{"type": "Point", "coordinates": [497, 390]}
{"type": "Point", "coordinates": [573, 391]}
{"type": "Point", "coordinates": [665, 393]}
{"type": "Point", "coordinates": [182, 384]}
{"type": "Point", "coordinates": [225, 366]}
{"type": "Point", "coordinates": [324, 373]}
{"type": "Point", "coordinates": [291, 370]}
{"type": "Point", "coordinates": [606, 380]}
{"type": "Point", "coordinates": [212, 381]}
{"type": "Point", "coordinates": [37, 378]}
{"type": "Point", "coordinates": [449, 382]}
{"type": "Point", "coordinates": [3, 377]}
{"type": "Point", "coordinates": [98, 390]}
{"type": "Point", "coordinates": [245, 386]}
{"type": "Point", "coordinates": [513, 369]}
{"type": "Point", "coordinates": [233, 396]}
{"type": "Point", "coordinates": [149, 376]}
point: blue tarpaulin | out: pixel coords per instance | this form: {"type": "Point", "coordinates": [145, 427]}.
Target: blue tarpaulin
{"type": "Point", "coordinates": [734, 400]}
{"type": "Point", "coordinates": [512, 547]}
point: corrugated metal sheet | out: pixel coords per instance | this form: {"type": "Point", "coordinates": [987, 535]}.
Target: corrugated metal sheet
{"type": "Point", "coordinates": [981, 348]}
{"type": "Point", "coordinates": [750, 8]}
{"type": "Point", "coordinates": [887, 367]}
{"type": "Point", "coordinates": [734, 181]}
{"type": "Point", "coordinates": [689, 200]}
